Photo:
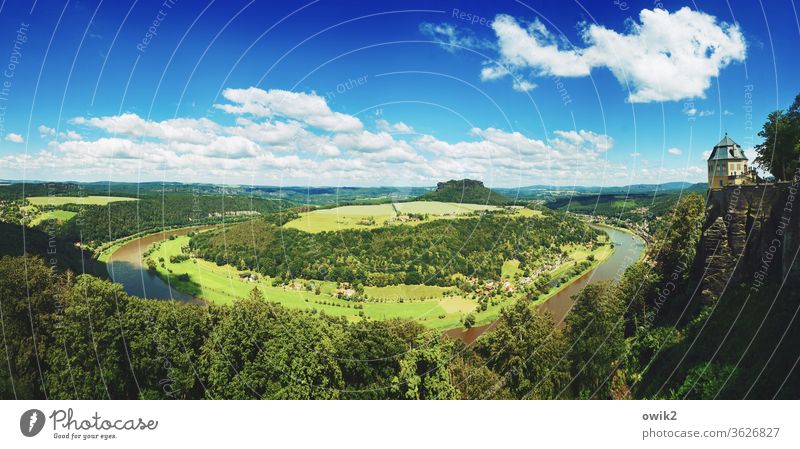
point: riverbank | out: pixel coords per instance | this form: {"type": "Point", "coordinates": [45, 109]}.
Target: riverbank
{"type": "Point", "coordinates": [103, 252]}
{"type": "Point", "coordinates": [628, 249]}
{"type": "Point", "coordinates": [124, 265]}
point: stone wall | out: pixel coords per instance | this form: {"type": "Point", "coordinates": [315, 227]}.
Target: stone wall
{"type": "Point", "coordinates": [751, 236]}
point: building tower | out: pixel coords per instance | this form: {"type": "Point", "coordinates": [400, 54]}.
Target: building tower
{"type": "Point", "coordinates": [727, 165]}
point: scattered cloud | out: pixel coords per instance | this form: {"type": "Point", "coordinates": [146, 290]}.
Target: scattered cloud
{"type": "Point", "coordinates": [45, 131]}
{"type": "Point", "coordinates": [70, 135]}
{"type": "Point", "coordinates": [675, 151]}
{"type": "Point", "coordinates": [521, 85]}
{"type": "Point", "coordinates": [694, 112]}
{"type": "Point", "coordinates": [452, 38]}
{"type": "Point", "coordinates": [15, 138]}
{"type": "Point", "coordinates": [662, 57]}
{"type": "Point", "coordinates": [398, 127]}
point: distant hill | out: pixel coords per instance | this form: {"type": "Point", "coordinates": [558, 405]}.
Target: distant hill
{"type": "Point", "coordinates": [544, 191]}
{"type": "Point", "coordinates": [465, 191]}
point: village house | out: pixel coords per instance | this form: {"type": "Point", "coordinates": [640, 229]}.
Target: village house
{"type": "Point", "coordinates": [344, 290]}
{"type": "Point", "coordinates": [248, 277]}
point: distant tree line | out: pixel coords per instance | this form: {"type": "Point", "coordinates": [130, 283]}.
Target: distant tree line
{"type": "Point", "coordinates": [99, 224]}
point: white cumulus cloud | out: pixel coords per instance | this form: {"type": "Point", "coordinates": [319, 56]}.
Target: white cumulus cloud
{"type": "Point", "coordinates": [44, 131]}
{"type": "Point", "coordinates": [308, 108]}
{"type": "Point", "coordinates": [15, 138]}
{"type": "Point", "coordinates": [662, 57]}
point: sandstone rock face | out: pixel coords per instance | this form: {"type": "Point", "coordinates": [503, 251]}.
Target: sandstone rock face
{"type": "Point", "coordinates": [718, 260]}
{"type": "Point", "coordinates": [751, 236]}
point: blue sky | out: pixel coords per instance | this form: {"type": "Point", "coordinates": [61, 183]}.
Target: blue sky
{"type": "Point", "coordinates": [386, 93]}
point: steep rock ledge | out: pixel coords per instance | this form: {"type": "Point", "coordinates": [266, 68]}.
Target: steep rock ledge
{"type": "Point", "coordinates": [750, 236]}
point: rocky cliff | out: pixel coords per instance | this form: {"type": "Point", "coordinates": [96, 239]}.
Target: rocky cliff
{"type": "Point", "coordinates": [465, 191]}
{"type": "Point", "coordinates": [751, 236]}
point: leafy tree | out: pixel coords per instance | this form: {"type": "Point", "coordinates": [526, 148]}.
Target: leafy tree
{"type": "Point", "coordinates": [469, 321]}
{"type": "Point", "coordinates": [28, 303]}
{"type": "Point", "coordinates": [89, 357]}
{"type": "Point", "coordinates": [636, 289]}
{"type": "Point", "coordinates": [705, 381]}
{"type": "Point", "coordinates": [472, 378]}
{"type": "Point", "coordinates": [431, 253]}
{"type": "Point", "coordinates": [369, 355]}
{"type": "Point", "coordinates": [595, 329]}
{"type": "Point", "coordinates": [423, 370]}
{"type": "Point", "coordinates": [676, 242]}
{"type": "Point", "coordinates": [164, 340]}
{"type": "Point", "coordinates": [528, 352]}
{"type": "Point", "coordinates": [780, 152]}
{"type": "Point", "coordinates": [646, 345]}
{"type": "Point", "coordinates": [261, 350]}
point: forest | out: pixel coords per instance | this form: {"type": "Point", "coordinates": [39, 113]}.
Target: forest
{"type": "Point", "coordinates": [97, 224]}
{"type": "Point", "coordinates": [433, 253]}
{"type": "Point", "coordinates": [94, 224]}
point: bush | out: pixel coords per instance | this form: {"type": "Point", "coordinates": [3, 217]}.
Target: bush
{"type": "Point", "coordinates": [469, 321]}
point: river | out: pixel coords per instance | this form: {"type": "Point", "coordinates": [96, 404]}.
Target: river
{"type": "Point", "coordinates": [628, 249]}
{"type": "Point", "coordinates": [125, 267]}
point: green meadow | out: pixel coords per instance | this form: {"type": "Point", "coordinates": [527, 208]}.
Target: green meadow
{"type": "Point", "coordinates": [377, 215]}
{"type": "Point", "coordinates": [57, 215]}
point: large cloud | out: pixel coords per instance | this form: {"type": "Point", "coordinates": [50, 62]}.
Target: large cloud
{"type": "Point", "coordinates": [665, 56]}
{"type": "Point", "coordinates": [307, 108]}
{"type": "Point", "coordinates": [180, 129]}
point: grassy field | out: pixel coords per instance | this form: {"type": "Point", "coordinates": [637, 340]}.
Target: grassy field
{"type": "Point", "coordinates": [345, 217]}
{"type": "Point", "coordinates": [373, 216]}
{"type": "Point", "coordinates": [510, 268]}
{"type": "Point", "coordinates": [438, 208]}
{"type": "Point", "coordinates": [402, 291]}
{"type": "Point", "coordinates": [85, 200]}
{"type": "Point", "coordinates": [57, 215]}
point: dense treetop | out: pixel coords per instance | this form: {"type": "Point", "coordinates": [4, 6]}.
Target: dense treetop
{"type": "Point", "coordinates": [431, 253]}
{"type": "Point", "coordinates": [780, 152]}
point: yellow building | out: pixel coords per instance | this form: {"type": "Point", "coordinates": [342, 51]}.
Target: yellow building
{"type": "Point", "coordinates": [727, 165]}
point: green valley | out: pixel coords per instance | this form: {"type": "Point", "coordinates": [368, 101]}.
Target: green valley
{"type": "Point", "coordinates": [180, 262]}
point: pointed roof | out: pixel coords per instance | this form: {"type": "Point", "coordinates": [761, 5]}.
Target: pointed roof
{"type": "Point", "coordinates": [726, 142]}
{"type": "Point", "coordinates": [727, 149]}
